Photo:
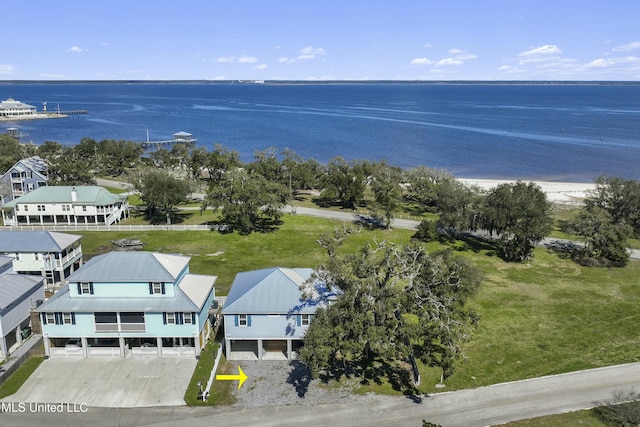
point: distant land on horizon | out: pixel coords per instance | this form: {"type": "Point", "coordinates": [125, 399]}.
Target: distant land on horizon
{"type": "Point", "coordinates": [339, 82]}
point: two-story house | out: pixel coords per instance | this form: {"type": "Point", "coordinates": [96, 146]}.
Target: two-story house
{"type": "Point", "coordinates": [130, 304]}
{"type": "Point", "coordinates": [65, 205]}
{"type": "Point", "coordinates": [268, 311]}
{"type": "Point", "coordinates": [49, 254]}
{"type": "Point", "coordinates": [23, 177]}
{"type": "Point", "coordinates": [19, 294]}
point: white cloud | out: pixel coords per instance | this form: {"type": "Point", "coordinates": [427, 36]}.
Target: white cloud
{"type": "Point", "coordinates": [286, 60]}
{"type": "Point", "coordinates": [247, 59]}
{"type": "Point", "coordinates": [547, 49]}
{"type": "Point", "coordinates": [600, 63]}
{"type": "Point", "coordinates": [305, 56]}
{"type": "Point", "coordinates": [227, 59]}
{"type": "Point", "coordinates": [261, 67]}
{"type": "Point", "coordinates": [6, 69]}
{"type": "Point", "coordinates": [310, 50]}
{"type": "Point", "coordinates": [421, 61]}
{"type": "Point", "coordinates": [52, 76]}
{"type": "Point", "coordinates": [76, 49]}
{"type": "Point", "coordinates": [428, 45]}
{"type": "Point", "coordinates": [465, 57]}
{"type": "Point", "coordinates": [455, 51]}
{"type": "Point", "coordinates": [627, 47]}
{"type": "Point", "coordinates": [449, 61]}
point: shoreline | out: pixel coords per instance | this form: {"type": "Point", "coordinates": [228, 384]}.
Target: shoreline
{"type": "Point", "coordinates": [570, 193]}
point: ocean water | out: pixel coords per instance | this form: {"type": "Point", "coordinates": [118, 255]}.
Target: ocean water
{"type": "Point", "coordinates": [550, 132]}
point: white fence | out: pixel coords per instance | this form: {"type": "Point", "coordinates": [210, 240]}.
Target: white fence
{"type": "Point", "coordinates": [115, 227]}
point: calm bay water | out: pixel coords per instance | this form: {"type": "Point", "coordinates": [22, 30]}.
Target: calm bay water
{"type": "Point", "coordinates": [561, 133]}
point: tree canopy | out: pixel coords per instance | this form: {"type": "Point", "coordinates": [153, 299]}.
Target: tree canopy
{"type": "Point", "coordinates": [247, 201]}
{"type": "Point", "coordinates": [520, 214]}
{"type": "Point", "coordinates": [396, 302]}
{"type": "Point", "coordinates": [159, 190]}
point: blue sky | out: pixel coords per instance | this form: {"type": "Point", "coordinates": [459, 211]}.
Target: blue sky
{"type": "Point", "coordinates": [321, 40]}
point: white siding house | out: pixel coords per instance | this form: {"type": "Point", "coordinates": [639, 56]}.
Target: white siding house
{"type": "Point", "coordinates": [266, 314]}
{"type": "Point", "coordinates": [10, 108]}
{"type": "Point", "coordinates": [49, 254]}
{"type": "Point", "coordinates": [65, 205]}
{"type": "Point", "coordinates": [23, 177]}
{"type": "Point", "coordinates": [130, 304]}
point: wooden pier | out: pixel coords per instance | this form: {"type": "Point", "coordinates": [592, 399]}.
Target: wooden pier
{"type": "Point", "coordinates": [178, 138]}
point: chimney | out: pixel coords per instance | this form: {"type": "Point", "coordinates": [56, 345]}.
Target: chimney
{"type": "Point", "coordinates": [74, 195]}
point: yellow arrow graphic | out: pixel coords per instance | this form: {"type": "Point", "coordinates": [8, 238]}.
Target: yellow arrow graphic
{"type": "Point", "coordinates": [242, 377]}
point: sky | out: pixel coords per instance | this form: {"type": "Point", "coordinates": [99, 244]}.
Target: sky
{"type": "Point", "coordinates": [320, 40]}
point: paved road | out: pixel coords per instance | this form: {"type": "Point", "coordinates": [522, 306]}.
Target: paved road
{"type": "Point", "coordinates": [482, 406]}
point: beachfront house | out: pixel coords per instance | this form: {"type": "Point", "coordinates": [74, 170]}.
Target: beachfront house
{"type": "Point", "coordinates": [66, 205]}
{"type": "Point", "coordinates": [268, 311]}
{"type": "Point", "coordinates": [23, 177]}
{"type": "Point", "coordinates": [10, 108]}
{"type": "Point", "coordinates": [123, 304]}
{"type": "Point", "coordinates": [19, 294]}
{"type": "Point", "coordinates": [49, 254]}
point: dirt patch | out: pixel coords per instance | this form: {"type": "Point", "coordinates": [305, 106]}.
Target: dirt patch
{"type": "Point", "coordinates": [278, 383]}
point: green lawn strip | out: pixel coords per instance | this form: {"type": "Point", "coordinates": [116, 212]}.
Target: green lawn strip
{"type": "Point", "coordinates": [585, 418]}
{"type": "Point", "coordinates": [15, 381]}
{"type": "Point", "coordinates": [220, 392]}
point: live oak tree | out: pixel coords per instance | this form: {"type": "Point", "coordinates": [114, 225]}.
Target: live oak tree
{"type": "Point", "coordinates": [520, 215]}
{"type": "Point", "coordinates": [344, 182]}
{"type": "Point", "coordinates": [386, 189]}
{"type": "Point", "coordinates": [159, 190]}
{"type": "Point", "coordinates": [247, 202]}
{"type": "Point", "coordinates": [394, 303]}
{"type": "Point", "coordinates": [605, 241]}
{"type": "Point", "coordinates": [620, 198]}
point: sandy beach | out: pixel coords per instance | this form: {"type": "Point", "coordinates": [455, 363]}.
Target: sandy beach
{"type": "Point", "coordinates": [557, 192]}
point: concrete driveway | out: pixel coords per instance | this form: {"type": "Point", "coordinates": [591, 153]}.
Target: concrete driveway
{"type": "Point", "coordinates": [110, 383]}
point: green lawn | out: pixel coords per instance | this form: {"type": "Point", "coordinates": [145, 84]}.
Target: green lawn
{"type": "Point", "coordinates": [220, 393]}
{"type": "Point", "coordinates": [584, 418]}
{"type": "Point", "coordinates": [15, 381]}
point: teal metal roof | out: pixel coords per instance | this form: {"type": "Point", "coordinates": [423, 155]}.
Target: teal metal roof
{"type": "Point", "coordinates": [35, 241]}
{"type": "Point", "coordinates": [62, 301]}
{"type": "Point", "coordinates": [131, 267]}
{"type": "Point", "coordinates": [269, 291]}
{"type": "Point", "coordinates": [85, 195]}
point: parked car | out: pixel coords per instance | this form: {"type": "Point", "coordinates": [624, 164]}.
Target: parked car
{"type": "Point", "coordinates": [73, 344]}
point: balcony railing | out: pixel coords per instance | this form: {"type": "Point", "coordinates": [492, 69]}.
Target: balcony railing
{"type": "Point", "coordinates": [120, 327]}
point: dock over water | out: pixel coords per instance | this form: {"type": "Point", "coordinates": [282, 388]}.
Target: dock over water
{"type": "Point", "coordinates": [178, 138]}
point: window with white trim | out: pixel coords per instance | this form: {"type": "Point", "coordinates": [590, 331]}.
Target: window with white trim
{"type": "Point", "coordinates": [187, 317]}
{"type": "Point", "coordinates": [157, 288]}
{"type": "Point", "coordinates": [51, 318]}
{"type": "Point", "coordinates": [305, 320]}
{"type": "Point", "coordinates": [242, 320]}
{"type": "Point", "coordinates": [66, 319]}
{"type": "Point", "coordinates": [41, 208]}
{"type": "Point", "coordinates": [171, 318]}
{"type": "Point", "coordinates": [85, 288]}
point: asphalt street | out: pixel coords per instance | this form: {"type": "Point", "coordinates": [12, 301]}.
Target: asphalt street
{"type": "Point", "coordinates": [482, 406]}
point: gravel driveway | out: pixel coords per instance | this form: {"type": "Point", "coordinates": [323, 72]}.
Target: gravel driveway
{"type": "Point", "coordinates": [286, 383]}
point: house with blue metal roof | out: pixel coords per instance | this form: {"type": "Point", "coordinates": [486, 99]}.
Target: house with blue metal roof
{"type": "Point", "coordinates": [23, 177]}
{"type": "Point", "coordinates": [19, 294]}
{"type": "Point", "coordinates": [130, 304]}
{"type": "Point", "coordinates": [268, 311]}
{"type": "Point", "coordinates": [66, 205]}
{"type": "Point", "coordinates": [49, 254]}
